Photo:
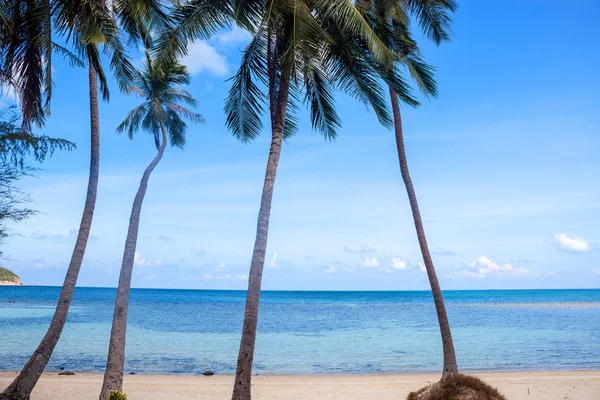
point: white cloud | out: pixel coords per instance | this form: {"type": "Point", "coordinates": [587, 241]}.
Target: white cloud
{"type": "Point", "coordinates": [483, 267]}
{"type": "Point", "coordinates": [422, 267]}
{"type": "Point", "coordinates": [207, 276]}
{"type": "Point", "coordinates": [142, 261]}
{"type": "Point", "coordinates": [597, 271]}
{"type": "Point", "coordinates": [330, 269]}
{"type": "Point", "coordinates": [234, 36]}
{"type": "Point", "coordinates": [438, 251]}
{"type": "Point", "coordinates": [202, 57]}
{"type": "Point", "coordinates": [362, 249]}
{"type": "Point", "coordinates": [571, 243]}
{"type": "Point", "coordinates": [220, 266]}
{"type": "Point", "coordinates": [521, 260]}
{"type": "Point", "coordinates": [398, 263]}
{"type": "Point", "coordinates": [369, 262]}
{"type": "Point", "coordinates": [46, 235]}
{"type": "Point", "coordinates": [273, 261]}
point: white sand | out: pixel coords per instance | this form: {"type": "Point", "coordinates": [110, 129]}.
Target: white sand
{"type": "Point", "coordinates": [569, 385]}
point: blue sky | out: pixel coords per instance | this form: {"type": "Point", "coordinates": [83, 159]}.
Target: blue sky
{"type": "Point", "coordinates": [505, 164]}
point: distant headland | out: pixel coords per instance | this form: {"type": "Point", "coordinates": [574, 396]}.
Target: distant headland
{"type": "Point", "coordinates": [9, 278]}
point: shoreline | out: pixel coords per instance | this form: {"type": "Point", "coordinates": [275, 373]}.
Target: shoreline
{"type": "Point", "coordinates": [525, 385]}
{"type": "Point", "coordinates": [324, 290]}
{"type": "Point", "coordinates": [4, 372]}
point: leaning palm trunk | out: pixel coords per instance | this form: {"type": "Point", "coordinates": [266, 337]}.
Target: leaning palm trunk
{"type": "Point", "coordinates": [450, 365]}
{"type": "Point", "coordinates": [243, 374]}
{"type": "Point", "coordinates": [113, 376]}
{"type": "Point", "coordinates": [22, 386]}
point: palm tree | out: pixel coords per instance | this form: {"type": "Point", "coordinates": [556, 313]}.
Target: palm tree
{"type": "Point", "coordinates": [26, 52]}
{"type": "Point", "coordinates": [161, 114]}
{"type": "Point", "coordinates": [390, 22]}
{"type": "Point", "coordinates": [294, 53]}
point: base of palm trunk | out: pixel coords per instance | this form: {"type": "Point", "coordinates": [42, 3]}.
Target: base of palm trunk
{"type": "Point", "coordinates": [457, 387]}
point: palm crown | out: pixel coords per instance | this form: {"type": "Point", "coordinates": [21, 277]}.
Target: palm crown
{"type": "Point", "coordinates": [306, 43]}
{"type": "Point", "coordinates": [27, 43]}
{"type": "Point", "coordinates": [157, 85]}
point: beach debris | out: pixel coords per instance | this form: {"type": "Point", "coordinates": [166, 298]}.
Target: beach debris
{"type": "Point", "coordinates": [457, 387]}
{"type": "Point", "coordinates": [66, 373]}
{"type": "Point", "coordinates": [208, 373]}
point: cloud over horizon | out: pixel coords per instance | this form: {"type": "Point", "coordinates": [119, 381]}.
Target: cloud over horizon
{"type": "Point", "coordinates": [438, 251]}
{"type": "Point", "coordinates": [362, 249]}
{"type": "Point", "coordinates": [483, 267]}
{"type": "Point", "coordinates": [571, 243]}
{"type": "Point", "coordinates": [142, 261]}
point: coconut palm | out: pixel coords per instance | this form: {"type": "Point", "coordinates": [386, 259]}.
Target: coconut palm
{"type": "Point", "coordinates": [294, 54]}
{"type": "Point", "coordinates": [161, 115]}
{"type": "Point", "coordinates": [390, 21]}
{"type": "Point", "coordinates": [26, 49]}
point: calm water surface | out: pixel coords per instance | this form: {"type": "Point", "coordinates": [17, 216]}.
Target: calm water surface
{"type": "Point", "coordinates": [190, 331]}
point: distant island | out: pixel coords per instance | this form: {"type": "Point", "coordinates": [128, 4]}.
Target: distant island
{"type": "Point", "coordinates": [9, 278]}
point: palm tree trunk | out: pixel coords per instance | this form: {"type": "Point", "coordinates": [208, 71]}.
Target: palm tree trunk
{"type": "Point", "coordinates": [113, 376]}
{"type": "Point", "coordinates": [243, 374]}
{"type": "Point", "coordinates": [450, 365]}
{"type": "Point", "coordinates": [22, 386]}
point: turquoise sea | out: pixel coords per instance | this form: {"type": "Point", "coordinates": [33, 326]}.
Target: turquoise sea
{"type": "Point", "coordinates": [190, 331]}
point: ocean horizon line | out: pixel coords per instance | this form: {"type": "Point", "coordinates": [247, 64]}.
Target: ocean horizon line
{"type": "Point", "coordinates": [319, 290]}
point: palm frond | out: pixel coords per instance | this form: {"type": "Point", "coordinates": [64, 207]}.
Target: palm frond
{"type": "Point", "coordinates": [120, 62]}
{"type": "Point", "coordinates": [94, 61]}
{"type": "Point", "coordinates": [319, 95]}
{"type": "Point", "coordinates": [140, 18]}
{"type": "Point", "coordinates": [303, 37]}
{"type": "Point", "coordinates": [196, 118]}
{"type": "Point", "coordinates": [434, 17]}
{"type": "Point", "coordinates": [178, 95]}
{"type": "Point", "coordinates": [290, 125]}
{"type": "Point", "coordinates": [136, 90]}
{"type": "Point", "coordinates": [244, 105]}
{"type": "Point", "coordinates": [422, 73]}
{"type": "Point", "coordinates": [132, 122]}
{"type": "Point", "coordinates": [354, 73]}
{"type": "Point", "coordinates": [352, 21]}
{"type": "Point", "coordinates": [176, 128]}
{"type": "Point", "coordinates": [69, 56]}
{"type": "Point", "coordinates": [25, 53]}
{"type": "Point", "coordinates": [194, 19]}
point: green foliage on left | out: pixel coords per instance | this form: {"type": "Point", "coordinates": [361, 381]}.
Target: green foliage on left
{"type": "Point", "coordinates": [13, 201]}
{"type": "Point", "coordinates": [16, 145]}
{"type": "Point", "coordinates": [116, 395]}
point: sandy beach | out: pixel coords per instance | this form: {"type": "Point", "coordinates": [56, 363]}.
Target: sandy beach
{"type": "Point", "coordinates": [571, 385]}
